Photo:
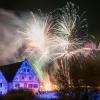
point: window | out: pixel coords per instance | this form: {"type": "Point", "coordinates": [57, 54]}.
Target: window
{"type": "Point", "coordinates": [35, 85]}
{"type": "Point", "coordinates": [24, 70]}
{"type": "Point", "coordinates": [25, 85]}
{"type": "Point", "coordinates": [25, 64]}
{"type": "Point", "coordinates": [16, 78]}
{"type": "Point", "coordinates": [0, 84]}
{"type": "Point", "coordinates": [30, 78]}
{"type": "Point", "coordinates": [30, 85]}
{"type": "Point", "coordinates": [17, 85]}
{"type": "Point", "coordinates": [28, 70]}
{"type": "Point", "coordinates": [22, 77]}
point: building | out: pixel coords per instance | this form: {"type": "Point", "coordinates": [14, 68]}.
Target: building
{"type": "Point", "coordinates": [18, 75]}
{"type": "Point", "coordinates": [3, 84]}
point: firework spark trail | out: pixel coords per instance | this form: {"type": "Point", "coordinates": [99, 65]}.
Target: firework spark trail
{"type": "Point", "coordinates": [37, 32]}
{"type": "Point", "coordinates": [49, 46]}
{"type": "Point", "coordinates": [69, 25]}
{"type": "Point", "coordinates": [86, 52]}
{"type": "Point", "coordinates": [58, 47]}
{"type": "Point", "coordinates": [81, 57]}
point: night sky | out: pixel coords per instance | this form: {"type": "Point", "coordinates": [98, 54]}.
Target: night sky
{"type": "Point", "coordinates": [92, 7]}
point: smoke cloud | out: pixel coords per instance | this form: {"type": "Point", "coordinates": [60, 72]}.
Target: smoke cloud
{"type": "Point", "coordinates": [12, 43]}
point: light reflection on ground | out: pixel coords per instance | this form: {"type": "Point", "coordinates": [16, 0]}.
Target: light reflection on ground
{"type": "Point", "coordinates": [53, 95]}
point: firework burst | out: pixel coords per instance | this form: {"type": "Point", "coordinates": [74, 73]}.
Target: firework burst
{"type": "Point", "coordinates": [71, 23]}
{"type": "Point", "coordinates": [48, 41]}
{"type": "Point", "coordinates": [68, 28]}
{"type": "Point", "coordinates": [37, 33]}
{"type": "Point", "coordinates": [37, 30]}
{"type": "Point", "coordinates": [68, 43]}
{"type": "Point", "coordinates": [53, 46]}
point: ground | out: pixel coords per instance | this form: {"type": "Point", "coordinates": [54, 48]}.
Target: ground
{"type": "Point", "coordinates": [52, 95]}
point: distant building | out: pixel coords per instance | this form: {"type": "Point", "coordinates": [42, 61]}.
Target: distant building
{"type": "Point", "coordinates": [18, 75]}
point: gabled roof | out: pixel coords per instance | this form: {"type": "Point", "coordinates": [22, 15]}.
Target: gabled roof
{"type": "Point", "coordinates": [26, 69]}
{"type": "Point", "coordinates": [10, 70]}
{"type": "Point", "coordinates": [25, 63]}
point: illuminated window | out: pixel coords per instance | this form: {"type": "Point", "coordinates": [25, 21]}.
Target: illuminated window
{"type": "Point", "coordinates": [0, 84]}
{"type": "Point", "coordinates": [16, 78]}
{"type": "Point", "coordinates": [22, 77]}
{"type": "Point", "coordinates": [28, 70]}
{"type": "Point", "coordinates": [25, 85]}
{"type": "Point", "coordinates": [17, 85]}
{"type": "Point", "coordinates": [30, 85]}
{"type": "Point", "coordinates": [24, 70]}
{"type": "Point", "coordinates": [25, 64]}
{"type": "Point", "coordinates": [30, 78]}
{"type": "Point", "coordinates": [35, 85]}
